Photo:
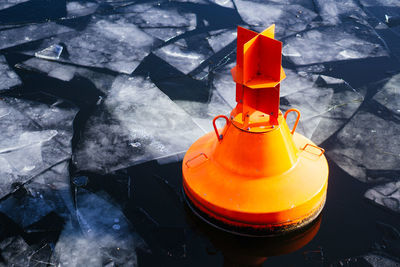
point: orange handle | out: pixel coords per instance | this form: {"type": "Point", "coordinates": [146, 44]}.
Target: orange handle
{"type": "Point", "coordinates": [219, 136]}
{"type": "Point", "coordinates": [317, 147]}
{"type": "Point", "coordinates": [196, 157]}
{"type": "Point", "coordinates": [297, 119]}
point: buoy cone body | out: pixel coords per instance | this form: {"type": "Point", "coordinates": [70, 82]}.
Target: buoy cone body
{"type": "Point", "coordinates": [256, 173]}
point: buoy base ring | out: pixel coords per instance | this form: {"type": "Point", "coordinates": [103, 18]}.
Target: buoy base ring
{"type": "Point", "coordinates": [250, 230]}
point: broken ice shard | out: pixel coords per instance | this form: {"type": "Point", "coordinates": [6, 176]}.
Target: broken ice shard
{"type": "Point", "coordinates": [136, 123]}
{"type": "Point", "coordinates": [389, 95]}
{"type": "Point", "coordinates": [95, 46]}
{"type": "Point", "coordinates": [16, 36]}
{"type": "Point", "coordinates": [220, 38]}
{"type": "Point", "coordinates": [48, 192]}
{"type": "Point", "coordinates": [8, 78]}
{"type": "Point", "coordinates": [200, 101]}
{"type": "Point", "coordinates": [104, 234]}
{"type": "Point", "coordinates": [101, 79]}
{"type": "Point", "coordinates": [186, 57]}
{"type": "Point", "coordinates": [342, 42]}
{"type": "Point", "coordinates": [386, 195]}
{"type": "Point", "coordinates": [80, 8]}
{"type": "Point", "coordinates": [9, 3]}
{"type": "Point", "coordinates": [333, 12]}
{"type": "Point", "coordinates": [52, 52]}
{"type": "Point", "coordinates": [34, 137]}
{"type": "Point", "coordinates": [15, 251]}
{"type": "Point", "coordinates": [289, 18]}
{"type": "Point", "coordinates": [225, 85]}
{"type": "Point", "coordinates": [367, 143]}
{"type": "Point", "coordinates": [162, 22]}
{"type": "Point", "coordinates": [374, 259]}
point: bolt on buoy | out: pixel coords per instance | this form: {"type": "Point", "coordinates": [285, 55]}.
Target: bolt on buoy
{"type": "Point", "coordinates": [255, 175]}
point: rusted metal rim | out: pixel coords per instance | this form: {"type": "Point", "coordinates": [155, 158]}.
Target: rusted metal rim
{"type": "Point", "coordinates": [253, 230]}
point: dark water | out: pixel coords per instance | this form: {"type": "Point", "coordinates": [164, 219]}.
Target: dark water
{"type": "Point", "coordinates": [150, 193]}
{"type": "Point", "coordinates": [348, 226]}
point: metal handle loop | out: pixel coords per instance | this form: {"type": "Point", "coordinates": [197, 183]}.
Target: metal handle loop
{"type": "Point", "coordinates": [219, 136]}
{"type": "Point", "coordinates": [317, 147]}
{"type": "Point", "coordinates": [297, 119]}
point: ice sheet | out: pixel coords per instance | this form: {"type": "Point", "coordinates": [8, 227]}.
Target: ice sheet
{"type": "Point", "coordinates": [161, 21]}
{"type": "Point", "coordinates": [379, 2]}
{"type": "Point", "coordinates": [204, 112]}
{"type": "Point", "coordinates": [104, 235]}
{"type": "Point", "coordinates": [52, 52]}
{"type": "Point", "coordinates": [199, 99]}
{"type": "Point", "coordinates": [136, 123]}
{"type": "Point", "coordinates": [15, 251]}
{"type": "Point", "coordinates": [370, 259]}
{"type": "Point", "coordinates": [367, 143]}
{"type": "Point", "coordinates": [224, 3]}
{"type": "Point", "coordinates": [81, 8]}
{"type": "Point", "coordinates": [20, 35]}
{"type": "Point", "coordinates": [48, 192]}
{"type": "Point", "coordinates": [164, 17]}
{"type": "Point", "coordinates": [325, 103]}
{"type": "Point", "coordinates": [288, 18]}
{"type": "Point", "coordinates": [95, 45]}
{"type": "Point", "coordinates": [342, 42]}
{"type": "Point", "coordinates": [186, 58]}
{"type": "Point", "coordinates": [224, 84]}
{"type": "Point", "coordinates": [220, 38]}
{"type": "Point", "coordinates": [9, 3]}
{"type": "Point", "coordinates": [386, 195]}
{"type": "Point", "coordinates": [389, 95]}
{"type": "Point", "coordinates": [8, 78]}
{"type": "Point", "coordinates": [35, 137]}
{"type": "Point", "coordinates": [64, 72]}
{"type": "Point", "coordinates": [313, 103]}
{"type": "Point", "coordinates": [333, 12]}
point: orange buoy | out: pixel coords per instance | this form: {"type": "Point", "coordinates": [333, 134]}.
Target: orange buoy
{"type": "Point", "coordinates": [256, 175]}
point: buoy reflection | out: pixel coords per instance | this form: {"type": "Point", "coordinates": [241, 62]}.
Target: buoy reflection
{"type": "Point", "coordinates": [240, 251]}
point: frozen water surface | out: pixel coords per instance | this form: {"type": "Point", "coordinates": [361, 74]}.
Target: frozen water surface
{"type": "Point", "coordinates": [20, 35]}
{"type": "Point", "coordinates": [95, 47]}
{"type": "Point", "coordinates": [333, 12]}
{"type": "Point", "coordinates": [63, 72]}
{"type": "Point", "coordinates": [224, 83]}
{"type": "Point", "coordinates": [188, 56]}
{"type": "Point", "coordinates": [90, 158]}
{"type": "Point", "coordinates": [8, 77]}
{"type": "Point", "coordinates": [162, 22]}
{"type": "Point", "coordinates": [35, 137]}
{"type": "Point", "coordinates": [104, 235]}
{"type": "Point", "coordinates": [289, 19]}
{"type": "Point", "coordinates": [48, 192]}
{"type": "Point", "coordinates": [347, 41]}
{"type": "Point", "coordinates": [52, 52]}
{"type": "Point", "coordinates": [389, 95]}
{"type": "Point", "coordinates": [9, 3]}
{"type": "Point", "coordinates": [386, 195]}
{"type": "Point", "coordinates": [136, 123]}
{"type": "Point", "coordinates": [367, 143]}
{"type": "Point", "coordinates": [81, 8]}
{"type": "Point", "coordinates": [221, 38]}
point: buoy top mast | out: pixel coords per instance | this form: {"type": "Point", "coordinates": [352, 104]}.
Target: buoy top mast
{"type": "Point", "coordinates": [258, 73]}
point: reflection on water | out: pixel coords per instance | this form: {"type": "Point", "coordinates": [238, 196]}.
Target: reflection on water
{"type": "Point", "coordinates": [252, 251]}
{"type": "Point", "coordinates": [348, 226]}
